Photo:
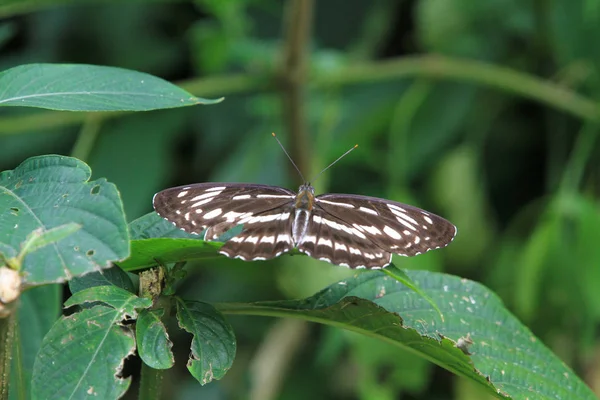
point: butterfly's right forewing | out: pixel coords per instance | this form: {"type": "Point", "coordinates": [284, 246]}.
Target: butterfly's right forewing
{"type": "Point", "coordinates": [218, 206]}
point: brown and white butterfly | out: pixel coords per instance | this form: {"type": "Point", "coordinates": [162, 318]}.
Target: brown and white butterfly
{"type": "Point", "coordinates": [344, 229]}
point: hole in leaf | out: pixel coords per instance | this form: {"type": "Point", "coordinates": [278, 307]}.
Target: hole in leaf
{"type": "Point", "coordinates": [76, 248]}
{"type": "Point", "coordinates": [90, 253]}
{"type": "Point", "coordinates": [95, 189]}
{"type": "Point", "coordinates": [15, 210]}
{"type": "Point", "coordinates": [65, 195]}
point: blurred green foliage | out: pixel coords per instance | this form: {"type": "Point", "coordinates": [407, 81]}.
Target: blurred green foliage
{"type": "Point", "coordinates": [496, 132]}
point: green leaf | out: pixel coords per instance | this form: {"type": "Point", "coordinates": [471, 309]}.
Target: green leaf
{"type": "Point", "coordinates": [112, 276]}
{"type": "Point", "coordinates": [123, 301]}
{"type": "Point", "coordinates": [82, 357]}
{"type": "Point", "coordinates": [149, 252]}
{"type": "Point", "coordinates": [154, 346]}
{"type": "Point", "coordinates": [49, 191]}
{"type": "Point", "coordinates": [213, 345]}
{"type": "Point", "coordinates": [506, 358]}
{"type": "Point", "coordinates": [75, 87]}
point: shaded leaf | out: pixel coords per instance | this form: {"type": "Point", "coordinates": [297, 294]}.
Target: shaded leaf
{"type": "Point", "coordinates": [153, 225]}
{"type": "Point", "coordinates": [112, 276]}
{"type": "Point", "coordinates": [120, 299]}
{"type": "Point", "coordinates": [213, 345]}
{"type": "Point", "coordinates": [79, 87]}
{"type": "Point", "coordinates": [154, 346]}
{"type": "Point", "coordinates": [82, 356]}
{"type": "Point", "coordinates": [49, 191]}
{"type": "Point", "coordinates": [506, 358]}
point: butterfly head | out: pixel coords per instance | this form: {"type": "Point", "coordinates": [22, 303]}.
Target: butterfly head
{"type": "Point", "coordinates": [305, 197]}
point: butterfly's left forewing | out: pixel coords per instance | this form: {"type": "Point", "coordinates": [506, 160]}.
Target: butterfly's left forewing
{"type": "Point", "coordinates": [391, 226]}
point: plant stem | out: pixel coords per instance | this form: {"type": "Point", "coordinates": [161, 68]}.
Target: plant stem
{"type": "Point", "coordinates": [584, 145]}
{"type": "Point", "coordinates": [151, 383]}
{"type": "Point", "coordinates": [87, 137]}
{"type": "Point", "coordinates": [293, 80]}
{"type": "Point", "coordinates": [7, 336]}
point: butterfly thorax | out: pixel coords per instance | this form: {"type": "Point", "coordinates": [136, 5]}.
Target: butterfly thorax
{"type": "Point", "coordinates": [303, 207]}
{"type": "Point", "coordinates": [305, 197]}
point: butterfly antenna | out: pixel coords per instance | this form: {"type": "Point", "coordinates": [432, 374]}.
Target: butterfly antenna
{"type": "Point", "coordinates": [290, 158]}
{"type": "Point", "coordinates": [331, 165]}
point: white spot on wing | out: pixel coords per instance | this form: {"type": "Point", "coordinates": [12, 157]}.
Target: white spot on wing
{"type": "Point", "coordinates": [209, 195]}
{"type": "Point", "coordinates": [212, 214]}
{"type": "Point", "coordinates": [241, 197]}
{"type": "Point", "coordinates": [368, 210]}
{"type": "Point", "coordinates": [324, 242]}
{"type": "Point", "coordinates": [391, 233]}
{"type": "Point", "coordinates": [183, 193]}
{"type": "Point", "coordinates": [198, 204]}
{"type": "Point", "coordinates": [221, 188]}
{"type": "Point", "coordinates": [428, 220]}
{"type": "Point", "coordinates": [274, 196]}
{"type": "Point", "coordinates": [335, 203]}
{"type": "Point", "coordinates": [267, 239]}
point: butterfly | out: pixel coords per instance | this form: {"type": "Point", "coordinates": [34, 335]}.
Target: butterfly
{"type": "Point", "coordinates": [343, 229]}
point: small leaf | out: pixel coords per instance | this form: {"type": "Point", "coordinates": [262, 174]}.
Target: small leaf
{"type": "Point", "coordinates": [154, 346]}
{"type": "Point", "coordinates": [152, 225]}
{"type": "Point", "coordinates": [50, 191]}
{"type": "Point", "coordinates": [75, 87]}
{"type": "Point", "coordinates": [505, 357]}
{"type": "Point", "coordinates": [213, 345]}
{"type": "Point", "coordinates": [40, 238]}
{"type": "Point", "coordinates": [112, 276]}
{"type": "Point", "coordinates": [82, 357]}
{"type": "Point", "coordinates": [120, 299]}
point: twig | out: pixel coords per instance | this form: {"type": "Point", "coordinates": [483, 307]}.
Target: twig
{"type": "Point", "coordinates": [293, 80]}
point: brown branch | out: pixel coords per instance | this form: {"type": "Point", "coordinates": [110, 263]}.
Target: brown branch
{"type": "Point", "coordinates": [293, 80]}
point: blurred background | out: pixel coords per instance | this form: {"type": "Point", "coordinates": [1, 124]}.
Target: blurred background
{"type": "Point", "coordinates": [484, 112]}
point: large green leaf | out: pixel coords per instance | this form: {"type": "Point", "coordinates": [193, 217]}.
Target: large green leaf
{"type": "Point", "coordinates": [505, 357]}
{"type": "Point", "coordinates": [90, 88]}
{"type": "Point", "coordinates": [50, 191]}
{"type": "Point", "coordinates": [213, 345]}
{"type": "Point", "coordinates": [83, 353]}
{"type": "Point", "coordinates": [158, 241]}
